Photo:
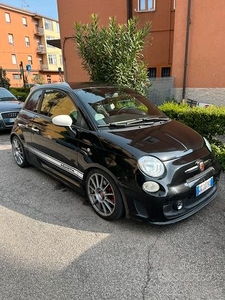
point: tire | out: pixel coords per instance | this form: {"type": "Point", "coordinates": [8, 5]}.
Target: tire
{"type": "Point", "coordinates": [18, 152]}
{"type": "Point", "coordinates": [104, 195]}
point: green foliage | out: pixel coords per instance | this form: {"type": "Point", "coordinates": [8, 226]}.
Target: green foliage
{"type": "Point", "coordinates": [20, 93]}
{"type": "Point", "coordinates": [219, 151]}
{"type": "Point", "coordinates": [113, 54]}
{"type": "Point", "coordinates": [209, 122]}
{"type": "Point", "coordinates": [4, 81]}
{"type": "Point", "coordinates": [38, 79]}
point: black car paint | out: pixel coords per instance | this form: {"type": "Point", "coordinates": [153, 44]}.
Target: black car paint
{"type": "Point", "coordinates": [116, 152]}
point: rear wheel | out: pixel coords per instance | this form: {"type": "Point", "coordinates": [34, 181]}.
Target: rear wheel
{"type": "Point", "coordinates": [104, 195]}
{"type": "Point", "coordinates": [18, 152]}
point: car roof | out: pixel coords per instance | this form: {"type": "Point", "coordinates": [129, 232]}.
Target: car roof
{"type": "Point", "coordinates": [74, 85]}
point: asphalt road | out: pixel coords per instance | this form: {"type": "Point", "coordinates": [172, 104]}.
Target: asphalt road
{"type": "Point", "coordinates": [54, 247]}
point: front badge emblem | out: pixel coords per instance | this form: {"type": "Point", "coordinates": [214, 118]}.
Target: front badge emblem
{"type": "Point", "coordinates": [201, 165]}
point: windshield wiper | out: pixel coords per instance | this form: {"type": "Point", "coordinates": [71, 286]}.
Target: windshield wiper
{"type": "Point", "coordinates": [7, 99]}
{"type": "Point", "coordinates": [146, 120]}
{"type": "Point", "coordinates": [116, 124]}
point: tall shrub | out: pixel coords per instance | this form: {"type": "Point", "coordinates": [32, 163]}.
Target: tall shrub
{"type": "Point", "coordinates": [113, 53]}
{"type": "Point", "coordinates": [4, 81]}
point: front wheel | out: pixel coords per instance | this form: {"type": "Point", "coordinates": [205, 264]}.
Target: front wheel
{"type": "Point", "coordinates": [104, 195]}
{"type": "Point", "coordinates": [18, 152]}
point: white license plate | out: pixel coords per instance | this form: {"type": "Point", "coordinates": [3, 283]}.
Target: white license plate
{"type": "Point", "coordinates": [204, 186]}
{"type": "Point", "coordinates": [11, 120]}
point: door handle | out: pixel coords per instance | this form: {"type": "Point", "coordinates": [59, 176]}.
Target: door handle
{"type": "Point", "coordinates": [35, 129]}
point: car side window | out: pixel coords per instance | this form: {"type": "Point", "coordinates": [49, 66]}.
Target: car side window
{"type": "Point", "coordinates": [33, 102]}
{"type": "Point", "coordinates": [56, 103]}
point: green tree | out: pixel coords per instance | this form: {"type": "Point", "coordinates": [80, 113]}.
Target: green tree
{"type": "Point", "coordinates": [113, 53]}
{"type": "Point", "coordinates": [4, 81]}
{"type": "Point", "coordinates": [39, 79]}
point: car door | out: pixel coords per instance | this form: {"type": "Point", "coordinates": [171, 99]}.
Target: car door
{"type": "Point", "coordinates": [56, 147]}
{"type": "Point", "coordinates": [24, 124]}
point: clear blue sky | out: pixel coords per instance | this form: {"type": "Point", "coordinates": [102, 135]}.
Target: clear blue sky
{"type": "Point", "coordinates": [47, 8]}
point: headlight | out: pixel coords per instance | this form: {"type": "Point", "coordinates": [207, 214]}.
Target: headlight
{"type": "Point", "coordinates": [207, 144]}
{"type": "Point", "coordinates": [151, 166]}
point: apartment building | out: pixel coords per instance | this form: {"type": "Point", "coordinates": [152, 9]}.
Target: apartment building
{"type": "Point", "coordinates": [25, 54]}
{"type": "Point", "coordinates": [158, 53]}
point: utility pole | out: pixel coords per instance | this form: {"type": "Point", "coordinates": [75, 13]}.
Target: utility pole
{"type": "Point", "coordinates": [22, 74]}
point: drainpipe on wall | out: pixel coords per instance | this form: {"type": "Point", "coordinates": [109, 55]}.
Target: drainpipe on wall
{"type": "Point", "coordinates": [129, 9]}
{"type": "Point", "coordinates": [64, 56]}
{"type": "Point", "coordinates": [186, 50]}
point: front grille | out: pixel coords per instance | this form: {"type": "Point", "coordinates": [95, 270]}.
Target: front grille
{"type": "Point", "coordinates": [9, 117]}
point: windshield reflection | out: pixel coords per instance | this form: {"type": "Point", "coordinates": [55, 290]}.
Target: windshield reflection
{"type": "Point", "coordinates": [109, 105]}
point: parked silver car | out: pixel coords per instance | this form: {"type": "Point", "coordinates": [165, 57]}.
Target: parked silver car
{"type": "Point", "coordinates": [9, 109]}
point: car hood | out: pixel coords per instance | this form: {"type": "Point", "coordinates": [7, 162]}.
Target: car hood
{"type": "Point", "coordinates": [10, 105]}
{"type": "Point", "coordinates": [169, 140]}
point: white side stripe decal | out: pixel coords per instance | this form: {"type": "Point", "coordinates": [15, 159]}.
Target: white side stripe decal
{"type": "Point", "coordinates": [56, 162]}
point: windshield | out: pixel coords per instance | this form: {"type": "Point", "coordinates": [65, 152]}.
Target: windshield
{"type": "Point", "coordinates": [5, 95]}
{"type": "Point", "coordinates": [115, 106]}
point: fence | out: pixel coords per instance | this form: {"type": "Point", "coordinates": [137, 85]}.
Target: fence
{"type": "Point", "coordinates": [161, 90]}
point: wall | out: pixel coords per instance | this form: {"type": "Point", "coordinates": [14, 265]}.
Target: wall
{"type": "Point", "coordinates": [158, 52]}
{"type": "Point", "coordinates": [161, 90]}
{"type": "Point", "coordinates": [206, 59]}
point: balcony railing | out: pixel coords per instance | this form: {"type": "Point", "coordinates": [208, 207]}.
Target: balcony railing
{"type": "Point", "coordinates": [41, 49]}
{"type": "Point", "coordinates": [44, 67]}
{"type": "Point", "coordinates": [39, 31]}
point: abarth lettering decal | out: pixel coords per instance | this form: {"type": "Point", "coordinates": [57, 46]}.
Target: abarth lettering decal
{"type": "Point", "coordinates": [56, 162]}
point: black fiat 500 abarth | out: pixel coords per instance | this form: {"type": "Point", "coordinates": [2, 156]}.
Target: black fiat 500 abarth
{"type": "Point", "coordinates": [116, 147]}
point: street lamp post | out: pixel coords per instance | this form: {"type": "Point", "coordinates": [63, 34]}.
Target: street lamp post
{"type": "Point", "coordinates": [22, 73]}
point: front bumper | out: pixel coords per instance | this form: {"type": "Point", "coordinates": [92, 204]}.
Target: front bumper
{"type": "Point", "coordinates": [162, 208]}
{"type": "Point", "coordinates": [7, 119]}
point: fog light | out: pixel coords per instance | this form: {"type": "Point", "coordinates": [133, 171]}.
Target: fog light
{"type": "Point", "coordinates": [179, 204]}
{"type": "Point", "coordinates": [150, 186]}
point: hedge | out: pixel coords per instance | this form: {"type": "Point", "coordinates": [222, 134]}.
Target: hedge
{"type": "Point", "coordinates": [208, 121]}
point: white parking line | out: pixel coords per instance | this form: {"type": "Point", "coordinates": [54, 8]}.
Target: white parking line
{"type": "Point", "coordinates": [5, 147]}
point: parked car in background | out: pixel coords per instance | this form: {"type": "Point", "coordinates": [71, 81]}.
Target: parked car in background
{"type": "Point", "coordinates": [9, 108]}
{"type": "Point", "coordinates": [113, 145]}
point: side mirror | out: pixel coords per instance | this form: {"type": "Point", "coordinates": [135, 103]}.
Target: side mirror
{"type": "Point", "coordinates": [62, 120]}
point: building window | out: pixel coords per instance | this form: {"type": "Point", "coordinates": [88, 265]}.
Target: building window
{"type": "Point", "coordinates": [10, 38]}
{"type": "Point", "coordinates": [24, 21]}
{"type": "Point", "coordinates": [165, 72]}
{"type": "Point", "coordinates": [61, 60]}
{"type": "Point", "coordinates": [52, 59]}
{"type": "Point", "coordinates": [29, 59]}
{"type": "Point", "coordinates": [17, 76]}
{"type": "Point", "coordinates": [152, 72]}
{"type": "Point", "coordinates": [48, 38]}
{"type": "Point", "coordinates": [48, 24]}
{"type": "Point", "coordinates": [7, 18]}
{"type": "Point", "coordinates": [146, 5]}
{"type": "Point", "coordinates": [57, 28]}
{"type": "Point", "coordinates": [27, 41]}
{"type": "Point", "coordinates": [14, 61]}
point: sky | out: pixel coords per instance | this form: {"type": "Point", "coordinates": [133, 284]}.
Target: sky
{"type": "Point", "coordinates": [47, 8]}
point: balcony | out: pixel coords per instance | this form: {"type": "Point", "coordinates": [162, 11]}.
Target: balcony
{"type": "Point", "coordinates": [39, 31]}
{"type": "Point", "coordinates": [44, 67]}
{"type": "Point", "coordinates": [41, 49]}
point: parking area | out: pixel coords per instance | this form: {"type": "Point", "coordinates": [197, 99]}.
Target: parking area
{"type": "Point", "coordinates": [53, 246]}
